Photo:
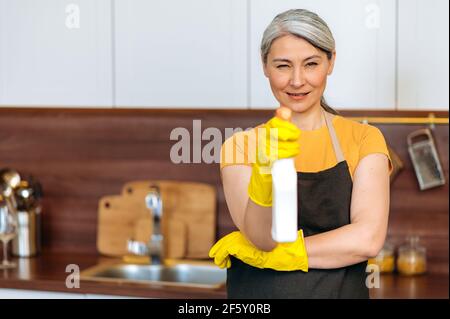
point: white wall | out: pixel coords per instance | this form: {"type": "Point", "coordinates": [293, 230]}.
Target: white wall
{"type": "Point", "coordinates": [201, 53]}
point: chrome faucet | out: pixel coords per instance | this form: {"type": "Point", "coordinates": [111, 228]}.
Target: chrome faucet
{"type": "Point", "coordinates": [154, 247]}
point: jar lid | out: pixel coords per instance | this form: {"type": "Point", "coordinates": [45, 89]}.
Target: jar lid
{"type": "Point", "coordinates": [412, 244]}
{"type": "Point", "coordinates": [387, 250]}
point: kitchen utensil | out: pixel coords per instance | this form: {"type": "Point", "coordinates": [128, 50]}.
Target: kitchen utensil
{"type": "Point", "coordinates": [10, 177]}
{"type": "Point", "coordinates": [25, 196]}
{"type": "Point", "coordinates": [191, 203]}
{"type": "Point", "coordinates": [117, 219]}
{"type": "Point", "coordinates": [9, 180]}
{"type": "Point", "coordinates": [35, 185]}
{"type": "Point", "coordinates": [425, 159]}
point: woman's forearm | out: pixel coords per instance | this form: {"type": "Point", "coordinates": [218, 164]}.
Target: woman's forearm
{"type": "Point", "coordinates": [344, 246]}
{"type": "Point", "coordinates": [257, 226]}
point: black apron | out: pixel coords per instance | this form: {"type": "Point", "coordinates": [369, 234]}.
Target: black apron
{"type": "Point", "coordinates": [324, 200]}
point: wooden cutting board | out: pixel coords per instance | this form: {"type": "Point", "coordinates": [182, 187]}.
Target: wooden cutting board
{"type": "Point", "coordinates": [120, 219]}
{"type": "Point", "coordinates": [189, 215]}
{"type": "Point", "coordinates": [397, 164]}
{"type": "Point", "coordinates": [188, 223]}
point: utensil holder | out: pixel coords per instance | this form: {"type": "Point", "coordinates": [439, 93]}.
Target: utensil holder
{"type": "Point", "coordinates": [27, 243]}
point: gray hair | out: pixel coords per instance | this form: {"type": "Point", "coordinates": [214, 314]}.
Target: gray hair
{"type": "Point", "coordinates": [303, 24]}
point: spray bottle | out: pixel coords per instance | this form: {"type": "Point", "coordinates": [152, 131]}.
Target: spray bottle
{"type": "Point", "coordinates": [284, 194]}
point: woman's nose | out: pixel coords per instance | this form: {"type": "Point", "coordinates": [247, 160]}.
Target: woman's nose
{"type": "Point", "coordinates": [297, 78]}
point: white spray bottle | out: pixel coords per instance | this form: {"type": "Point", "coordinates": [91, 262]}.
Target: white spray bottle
{"type": "Point", "coordinates": [284, 194]}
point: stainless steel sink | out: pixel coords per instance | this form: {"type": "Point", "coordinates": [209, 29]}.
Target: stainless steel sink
{"type": "Point", "coordinates": [183, 275]}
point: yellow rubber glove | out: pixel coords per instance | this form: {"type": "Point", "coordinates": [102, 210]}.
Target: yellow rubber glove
{"type": "Point", "coordinates": [271, 147]}
{"type": "Point", "coordinates": [284, 257]}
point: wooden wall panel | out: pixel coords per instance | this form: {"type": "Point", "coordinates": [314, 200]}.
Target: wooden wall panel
{"type": "Point", "coordinates": [81, 155]}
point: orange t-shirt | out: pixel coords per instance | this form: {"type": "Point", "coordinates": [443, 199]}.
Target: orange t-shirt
{"type": "Point", "coordinates": [316, 149]}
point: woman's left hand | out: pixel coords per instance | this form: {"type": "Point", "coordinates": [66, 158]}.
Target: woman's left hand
{"type": "Point", "coordinates": [284, 257]}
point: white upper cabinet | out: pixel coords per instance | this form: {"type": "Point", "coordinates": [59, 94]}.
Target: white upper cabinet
{"type": "Point", "coordinates": [179, 53]}
{"type": "Point", "coordinates": [364, 31]}
{"type": "Point", "coordinates": [391, 54]}
{"type": "Point", "coordinates": [423, 54]}
{"type": "Point", "coordinates": [55, 53]}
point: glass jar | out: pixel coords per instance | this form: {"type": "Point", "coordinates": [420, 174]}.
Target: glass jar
{"type": "Point", "coordinates": [412, 259]}
{"type": "Point", "coordinates": [385, 259]}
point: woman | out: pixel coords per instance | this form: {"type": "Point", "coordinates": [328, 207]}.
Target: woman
{"type": "Point", "coordinates": [343, 172]}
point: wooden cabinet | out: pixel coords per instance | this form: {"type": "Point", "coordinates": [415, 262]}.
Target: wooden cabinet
{"type": "Point", "coordinates": [180, 53]}
{"type": "Point", "coordinates": [423, 47]}
{"type": "Point", "coordinates": [55, 53]}
{"type": "Point", "coordinates": [364, 31]}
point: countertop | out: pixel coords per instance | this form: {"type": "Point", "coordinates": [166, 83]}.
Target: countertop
{"type": "Point", "coordinates": [47, 272]}
{"type": "Point", "coordinates": [427, 286]}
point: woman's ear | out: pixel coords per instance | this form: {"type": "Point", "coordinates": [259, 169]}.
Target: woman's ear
{"type": "Point", "coordinates": [264, 67]}
{"type": "Point", "coordinates": [331, 66]}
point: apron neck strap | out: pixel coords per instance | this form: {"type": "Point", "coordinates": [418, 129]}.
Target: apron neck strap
{"type": "Point", "coordinates": [334, 139]}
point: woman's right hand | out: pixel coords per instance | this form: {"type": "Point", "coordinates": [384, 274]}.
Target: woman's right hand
{"type": "Point", "coordinates": [277, 139]}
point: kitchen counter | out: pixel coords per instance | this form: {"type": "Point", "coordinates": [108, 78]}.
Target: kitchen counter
{"type": "Point", "coordinates": [47, 272]}
{"type": "Point", "coordinates": [427, 286]}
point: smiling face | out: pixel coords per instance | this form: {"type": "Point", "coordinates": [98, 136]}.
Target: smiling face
{"type": "Point", "coordinates": [297, 72]}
